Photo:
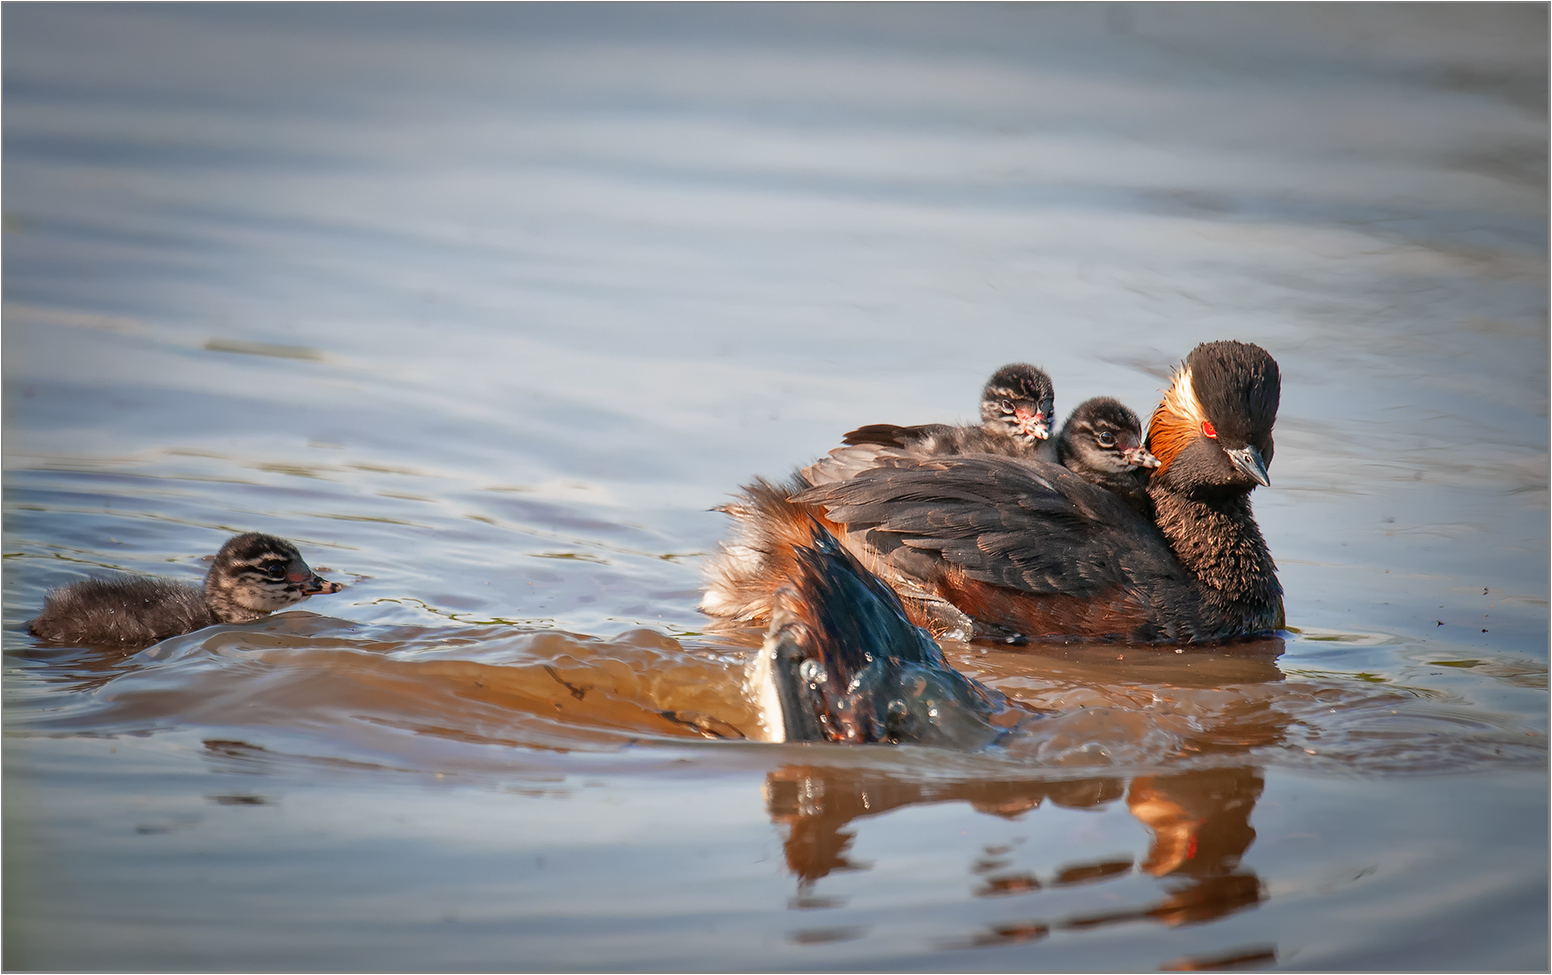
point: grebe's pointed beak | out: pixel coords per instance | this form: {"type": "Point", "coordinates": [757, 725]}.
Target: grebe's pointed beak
{"type": "Point", "coordinates": [1248, 459]}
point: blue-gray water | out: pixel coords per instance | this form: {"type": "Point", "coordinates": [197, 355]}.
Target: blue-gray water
{"type": "Point", "coordinates": [485, 306]}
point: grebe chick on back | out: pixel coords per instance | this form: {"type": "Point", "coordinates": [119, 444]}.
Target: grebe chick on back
{"type": "Point", "coordinates": [252, 576]}
{"type": "Point", "coordinates": [1017, 412]}
{"type": "Point", "coordinates": [993, 546]}
{"type": "Point", "coordinates": [1102, 443]}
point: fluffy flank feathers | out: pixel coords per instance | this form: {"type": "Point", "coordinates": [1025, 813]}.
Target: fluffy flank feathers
{"type": "Point", "coordinates": [123, 611]}
{"type": "Point", "coordinates": [767, 527]}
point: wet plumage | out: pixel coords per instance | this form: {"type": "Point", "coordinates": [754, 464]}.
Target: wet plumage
{"type": "Point", "coordinates": [843, 663]}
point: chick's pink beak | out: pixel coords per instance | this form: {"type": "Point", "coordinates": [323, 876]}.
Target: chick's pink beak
{"type": "Point", "coordinates": [1032, 423]}
{"type": "Point", "coordinates": [1139, 457]}
{"type": "Point", "coordinates": [313, 584]}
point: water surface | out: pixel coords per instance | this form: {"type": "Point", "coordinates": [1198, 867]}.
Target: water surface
{"type": "Point", "coordinates": [486, 306]}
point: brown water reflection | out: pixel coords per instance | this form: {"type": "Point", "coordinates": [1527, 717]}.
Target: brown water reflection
{"type": "Point", "coordinates": [1199, 822]}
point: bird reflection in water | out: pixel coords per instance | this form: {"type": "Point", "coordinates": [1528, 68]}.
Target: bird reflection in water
{"type": "Point", "coordinates": [1199, 821]}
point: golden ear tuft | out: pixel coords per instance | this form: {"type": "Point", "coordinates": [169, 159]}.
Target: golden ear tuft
{"type": "Point", "coordinates": [1176, 420]}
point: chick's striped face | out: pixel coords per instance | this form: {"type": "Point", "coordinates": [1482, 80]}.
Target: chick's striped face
{"type": "Point", "coordinates": [1102, 434]}
{"type": "Point", "coordinates": [265, 574]}
{"type": "Point", "coordinates": [270, 578]}
{"type": "Point", "coordinates": [1019, 402]}
{"type": "Point", "coordinates": [1024, 419]}
{"type": "Point", "coordinates": [1122, 445]}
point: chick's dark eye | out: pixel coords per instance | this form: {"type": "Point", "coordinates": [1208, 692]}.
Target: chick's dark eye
{"type": "Point", "coordinates": [1106, 439]}
{"type": "Point", "coordinates": [275, 570]}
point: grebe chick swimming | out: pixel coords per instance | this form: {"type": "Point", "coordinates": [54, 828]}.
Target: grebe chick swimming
{"type": "Point", "coordinates": [1102, 443]}
{"type": "Point", "coordinates": [253, 575]}
{"type": "Point", "coordinates": [983, 545]}
{"type": "Point", "coordinates": [1017, 412]}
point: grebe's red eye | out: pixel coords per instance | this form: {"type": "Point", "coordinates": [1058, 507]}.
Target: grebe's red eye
{"type": "Point", "coordinates": [1208, 431]}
